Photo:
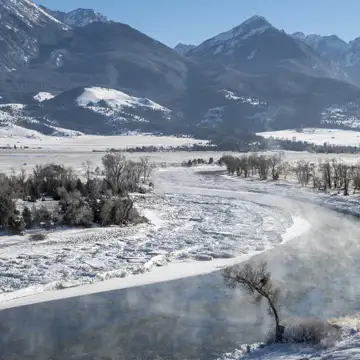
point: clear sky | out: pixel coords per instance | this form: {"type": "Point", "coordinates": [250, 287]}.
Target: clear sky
{"type": "Point", "coordinates": [192, 21]}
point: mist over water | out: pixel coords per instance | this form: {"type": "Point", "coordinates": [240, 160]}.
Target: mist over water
{"type": "Point", "coordinates": [197, 317]}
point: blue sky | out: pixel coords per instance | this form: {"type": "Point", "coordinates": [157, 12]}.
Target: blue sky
{"type": "Point", "coordinates": [192, 21]}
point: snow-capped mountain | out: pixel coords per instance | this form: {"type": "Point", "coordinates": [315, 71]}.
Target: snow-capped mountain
{"type": "Point", "coordinates": [42, 96]}
{"type": "Point", "coordinates": [97, 110]}
{"type": "Point", "coordinates": [228, 41]}
{"type": "Point", "coordinates": [24, 30]}
{"type": "Point", "coordinates": [183, 48]}
{"type": "Point", "coordinates": [345, 55]}
{"type": "Point", "coordinates": [115, 99]}
{"type": "Point", "coordinates": [78, 17]}
{"type": "Point", "coordinates": [256, 46]}
{"type": "Point", "coordinates": [331, 47]}
{"type": "Point", "coordinates": [100, 77]}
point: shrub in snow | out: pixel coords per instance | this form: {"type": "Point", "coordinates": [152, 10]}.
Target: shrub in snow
{"type": "Point", "coordinates": [75, 210]}
{"type": "Point", "coordinates": [311, 331]}
{"type": "Point", "coordinates": [84, 216]}
{"type": "Point", "coordinates": [42, 216]}
{"type": "Point", "coordinates": [117, 211]}
{"type": "Point", "coordinates": [7, 208]}
{"type": "Point", "coordinates": [16, 224]}
{"type": "Point", "coordinates": [28, 218]}
{"type": "Point", "coordinates": [38, 237]}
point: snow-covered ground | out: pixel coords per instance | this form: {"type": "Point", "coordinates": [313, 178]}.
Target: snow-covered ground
{"type": "Point", "coordinates": [115, 99]}
{"type": "Point", "coordinates": [27, 159]}
{"type": "Point", "coordinates": [317, 136]}
{"type": "Point", "coordinates": [42, 96]}
{"type": "Point", "coordinates": [346, 348]}
{"type": "Point", "coordinates": [187, 224]}
{"type": "Point", "coordinates": [193, 217]}
{"type": "Point", "coordinates": [16, 135]}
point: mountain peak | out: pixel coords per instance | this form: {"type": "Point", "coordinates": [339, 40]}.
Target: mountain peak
{"type": "Point", "coordinates": [299, 35]}
{"type": "Point", "coordinates": [183, 48]}
{"type": "Point", "coordinates": [255, 19]}
{"type": "Point", "coordinates": [76, 18]}
{"type": "Point", "coordinates": [250, 27]}
{"type": "Point", "coordinates": [82, 17]}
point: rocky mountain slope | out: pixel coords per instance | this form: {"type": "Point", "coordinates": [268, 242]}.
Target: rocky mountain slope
{"type": "Point", "coordinates": [183, 48]}
{"type": "Point", "coordinates": [26, 30]}
{"type": "Point", "coordinates": [78, 17]}
{"type": "Point", "coordinates": [330, 47]}
{"type": "Point", "coordinates": [251, 78]}
{"type": "Point", "coordinates": [257, 47]}
{"type": "Point", "coordinates": [346, 55]}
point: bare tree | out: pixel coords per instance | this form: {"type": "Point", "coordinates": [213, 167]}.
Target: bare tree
{"type": "Point", "coordinates": [345, 177]}
{"type": "Point", "coordinates": [146, 167]}
{"type": "Point", "coordinates": [303, 172]}
{"type": "Point", "coordinates": [337, 169]}
{"type": "Point", "coordinates": [88, 169]}
{"type": "Point", "coordinates": [257, 283]}
{"type": "Point", "coordinates": [325, 168]}
{"type": "Point", "coordinates": [244, 165]}
{"type": "Point", "coordinates": [115, 165]}
{"type": "Point", "coordinates": [355, 175]}
{"type": "Point", "coordinates": [276, 165]}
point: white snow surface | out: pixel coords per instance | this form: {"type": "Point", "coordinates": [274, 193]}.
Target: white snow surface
{"type": "Point", "coordinates": [74, 141]}
{"type": "Point", "coordinates": [42, 96]}
{"type": "Point", "coordinates": [348, 347]}
{"type": "Point", "coordinates": [229, 95]}
{"type": "Point", "coordinates": [193, 231]}
{"type": "Point", "coordinates": [115, 99]}
{"type": "Point", "coordinates": [317, 136]}
{"type": "Point", "coordinates": [29, 12]}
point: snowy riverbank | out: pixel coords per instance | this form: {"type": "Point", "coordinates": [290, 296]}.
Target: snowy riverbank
{"type": "Point", "coordinates": [192, 231]}
{"type": "Point", "coordinates": [345, 348]}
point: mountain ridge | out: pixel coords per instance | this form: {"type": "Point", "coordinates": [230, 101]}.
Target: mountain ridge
{"type": "Point", "coordinates": [250, 78]}
{"type": "Point", "coordinates": [77, 17]}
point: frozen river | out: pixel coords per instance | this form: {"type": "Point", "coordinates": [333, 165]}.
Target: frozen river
{"type": "Point", "coordinates": [199, 217]}
{"type": "Point", "coordinates": [194, 217]}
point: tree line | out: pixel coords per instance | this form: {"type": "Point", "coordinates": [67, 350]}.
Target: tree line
{"type": "Point", "coordinates": [100, 197]}
{"type": "Point", "coordinates": [329, 174]}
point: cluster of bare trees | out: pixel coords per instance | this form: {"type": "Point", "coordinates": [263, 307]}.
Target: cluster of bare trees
{"type": "Point", "coordinates": [332, 174]}
{"type": "Point", "coordinates": [198, 161]}
{"type": "Point", "coordinates": [255, 165]}
{"type": "Point", "coordinates": [101, 196]}
{"type": "Point", "coordinates": [328, 174]}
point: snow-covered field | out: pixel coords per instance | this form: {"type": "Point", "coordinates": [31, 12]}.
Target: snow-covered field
{"type": "Point", "coordinates": [317, 136]}
{"type": "Point", "coordinates": [27, 159]}
{"type": "Point", "coordinates": [22, 137]}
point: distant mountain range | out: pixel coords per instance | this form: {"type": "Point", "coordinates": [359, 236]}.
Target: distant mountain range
{"type": "Point", "coordinates": [82, 72]}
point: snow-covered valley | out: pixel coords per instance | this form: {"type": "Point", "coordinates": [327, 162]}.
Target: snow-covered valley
{"type": "Point", "coordinates": [166, 274]}
{"type": "Point", "coordinates": [191, 224]}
